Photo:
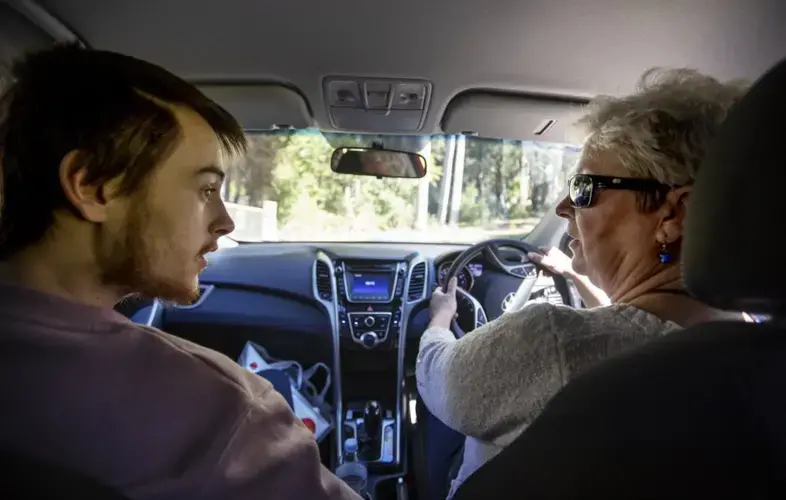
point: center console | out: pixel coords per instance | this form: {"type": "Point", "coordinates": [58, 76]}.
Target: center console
{"type": "Point", "coordinates": [369, 302]}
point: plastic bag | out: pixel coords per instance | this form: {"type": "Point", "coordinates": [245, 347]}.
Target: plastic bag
{"type": "Point", "coordinates": [308, 400]}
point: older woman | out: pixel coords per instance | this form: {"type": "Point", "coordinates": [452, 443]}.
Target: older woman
{"type": "Point", "coordinates": [625, 208]}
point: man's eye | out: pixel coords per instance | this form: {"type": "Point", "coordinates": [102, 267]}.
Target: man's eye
{"type": "Point", "coordinates": [209, 192]}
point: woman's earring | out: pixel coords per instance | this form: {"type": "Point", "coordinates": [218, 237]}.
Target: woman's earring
{"type": "Point", "coordinates": [664, 255]}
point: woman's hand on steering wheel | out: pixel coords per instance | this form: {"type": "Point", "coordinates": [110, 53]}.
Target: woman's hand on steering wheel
{"type": "Point", "coordinates": [554, 261]}
{"type": "Point", "coordinates": [559, 264]}
{"type": "Point", "coordinates": [443, 305]}
{"type": "Point", "coordinates": [525, 270]}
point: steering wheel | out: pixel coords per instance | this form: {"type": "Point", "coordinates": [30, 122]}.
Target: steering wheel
{"type": "Point", "coordinates": [528, 271]}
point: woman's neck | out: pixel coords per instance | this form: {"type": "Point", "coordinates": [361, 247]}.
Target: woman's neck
{"type": "Point", "coordinates": [664, 295]}
{"type": "Point", "coordinates": [634, 287]}
{"type": "Point", "coordinates": [683, 310]}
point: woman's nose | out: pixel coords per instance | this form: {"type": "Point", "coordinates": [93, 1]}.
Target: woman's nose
{"type": "Point", "coordinates": [565, 209]}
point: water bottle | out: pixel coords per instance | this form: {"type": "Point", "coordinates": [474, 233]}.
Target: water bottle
{"type": "Point", "coordinates": [350, 450]}
{"type": "Point", "coordinates": [351, 471]}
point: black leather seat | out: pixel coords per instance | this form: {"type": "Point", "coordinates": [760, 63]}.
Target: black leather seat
{"type": "Point", "coordinates": [25, 477]}
{"type": "Point", "coordinates": [701, 413]}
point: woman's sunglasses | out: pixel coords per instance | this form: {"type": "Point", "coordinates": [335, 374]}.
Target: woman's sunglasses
{"type": "Point", "coordinates": [582, 188]}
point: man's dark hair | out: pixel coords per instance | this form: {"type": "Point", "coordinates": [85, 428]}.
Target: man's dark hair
{"type": "Point", "coordinates": [110, 109]}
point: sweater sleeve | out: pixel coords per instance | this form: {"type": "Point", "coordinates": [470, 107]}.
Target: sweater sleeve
{"type": "Point", "coordinates": [495, 379]}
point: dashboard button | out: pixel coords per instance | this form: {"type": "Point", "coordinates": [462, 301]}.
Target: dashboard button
{"type": "Point", "coordinates": [369, 340]}
{"type": "Point", "coordinates": [395, 321]}
{"type": "Point", "coordinates": [343, 322]}
{"type": "Point", "coordinates": [519, 271]}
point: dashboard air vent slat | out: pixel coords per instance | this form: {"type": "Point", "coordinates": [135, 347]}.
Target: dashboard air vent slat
{"type": "Point", "coordinates": [549, 294]}
{"type": "Point", "coordinates": [324, 286]}
{"type": "Point", "coordinates": [417, 283]}
{"type": "Point", "coordinates": [553, 296]}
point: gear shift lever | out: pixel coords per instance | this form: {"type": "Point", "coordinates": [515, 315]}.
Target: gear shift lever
{"type": "Point", "coordinates": [372, 417]}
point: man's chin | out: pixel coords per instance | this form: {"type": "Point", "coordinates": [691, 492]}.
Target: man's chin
{"type": "Point", "coordinates": [183, 294]}
{"type": "Point", "coordinates": [184, 297]}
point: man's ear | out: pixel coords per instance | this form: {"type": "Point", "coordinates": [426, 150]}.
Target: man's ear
{"type": "Point", "coordinates": [88, 200]}
{"type": "Point", "coordinates": [673, 213]}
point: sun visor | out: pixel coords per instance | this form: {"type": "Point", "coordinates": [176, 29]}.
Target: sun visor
{"type": "Point", "coordinates": [512, 116]}
{"type": "Point", "coordinates": [262, 106]}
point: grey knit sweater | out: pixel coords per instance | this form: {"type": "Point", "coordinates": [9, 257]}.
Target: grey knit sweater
{"type": "Point", "coordinates": [490, 384]}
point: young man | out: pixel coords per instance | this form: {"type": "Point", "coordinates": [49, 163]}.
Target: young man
{"type": "Point", "coordinates": [111, 173]}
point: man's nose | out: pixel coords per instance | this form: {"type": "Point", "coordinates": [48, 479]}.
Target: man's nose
{"type": "Point", "coordinates": [223, 224]}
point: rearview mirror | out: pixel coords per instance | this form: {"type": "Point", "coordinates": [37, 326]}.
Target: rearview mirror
{"type": "Point", "coordinates": [378, 163]}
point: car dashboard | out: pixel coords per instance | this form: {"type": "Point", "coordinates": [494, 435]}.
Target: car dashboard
{"type": "Point", "coordinates": [358, 307]}
{"type": "Point", "coordinates": [275, 285]}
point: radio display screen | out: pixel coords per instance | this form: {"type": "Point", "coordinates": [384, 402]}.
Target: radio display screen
{"type": "Point", "coordinates": [377, 285]}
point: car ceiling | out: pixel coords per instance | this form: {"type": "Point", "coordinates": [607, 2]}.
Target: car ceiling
{"type": "Point", "coordinates": [552, 48]}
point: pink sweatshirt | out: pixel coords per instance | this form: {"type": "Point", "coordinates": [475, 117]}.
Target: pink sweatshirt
{"type": "Point", "coordinates": [152, 415]}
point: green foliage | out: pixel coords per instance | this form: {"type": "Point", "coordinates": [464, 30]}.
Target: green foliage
{"type": "Point", "coordinates": [473, 210]}
{"type": "Point", "coordinates": [494, 169]}
{"type": "Point", "coordinates": [293, 169]}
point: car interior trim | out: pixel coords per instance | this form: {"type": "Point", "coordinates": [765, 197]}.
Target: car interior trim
{"type": "Point", "coordinates": [331, 306]}
{"type": "Point", "coordinates": [408, 308]}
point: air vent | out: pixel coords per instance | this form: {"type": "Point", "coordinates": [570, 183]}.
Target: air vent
{"type": "Point", "coordinates": [417, 282]}
{"type": "Point", "coordinates": [324, 286]}
{"type": "Point", "coordinates": [549, 294]}
{"type": "Point", "coordinates": [132, 304]}
{"type": "Point", "coordinates": [553, 296]}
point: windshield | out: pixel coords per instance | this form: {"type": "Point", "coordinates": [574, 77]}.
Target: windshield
{"type": "Point", "coordinates": [474, 189]}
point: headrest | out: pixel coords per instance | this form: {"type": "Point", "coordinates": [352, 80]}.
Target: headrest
{"type": "Point", "coordinates": [733, 257]}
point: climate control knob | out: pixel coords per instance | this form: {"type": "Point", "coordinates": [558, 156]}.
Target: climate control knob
{"type": "Point", "coordinates": [369, 321]}
{"type": "Point", "coordinates": [369, 340]}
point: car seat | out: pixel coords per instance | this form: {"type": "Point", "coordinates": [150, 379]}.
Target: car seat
{"type": "Point", "coordinates": [30, 478]}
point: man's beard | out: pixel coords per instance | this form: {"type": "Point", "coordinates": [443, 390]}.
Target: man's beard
{"type": "Point", "coordinates": [126, 261]}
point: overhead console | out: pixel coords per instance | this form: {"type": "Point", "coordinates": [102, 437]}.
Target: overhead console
{"type": "Point", "coordinates": [370, 302]}
{"type": "Point", "coordinates": [376, 105]}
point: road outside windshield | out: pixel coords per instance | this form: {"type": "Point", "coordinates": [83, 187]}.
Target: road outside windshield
{"type": "Point", "coordinates": [475, 189]}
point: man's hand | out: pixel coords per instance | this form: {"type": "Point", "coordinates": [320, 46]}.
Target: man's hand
{"type": "Point", "coordinates": [443, 305]}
